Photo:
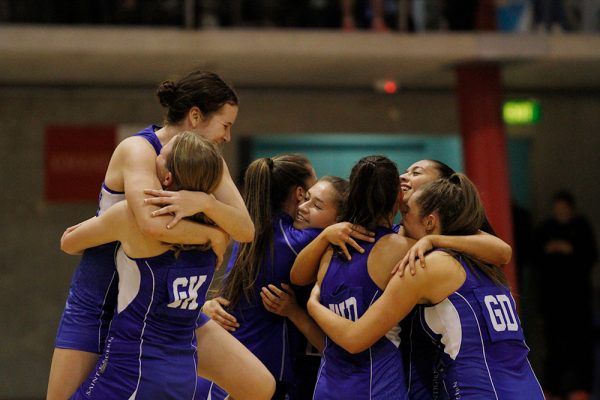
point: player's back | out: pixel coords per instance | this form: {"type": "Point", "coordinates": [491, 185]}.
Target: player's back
{"type": "Point", "coordinates": [474, 344]}
{"type": "Point", "coordinates": [377, 373]}
{"type": "Point", "coordinates": [150, 350]}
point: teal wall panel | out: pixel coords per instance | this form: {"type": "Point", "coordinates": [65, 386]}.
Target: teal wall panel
{"type": "Point", "coordinates": [335, 154]}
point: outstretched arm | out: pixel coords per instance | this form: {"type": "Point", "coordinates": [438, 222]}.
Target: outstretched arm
{"type": "Point", "coordinates": [224, 206]}
{"type": "Point", "coordinates": [95, 231]}
{"type": "Point", "coordinates": [482, 246]}
{"type": "Point", "coordinates": [306, 265]}
{"type": "Point", "coordinates": [427, 286]}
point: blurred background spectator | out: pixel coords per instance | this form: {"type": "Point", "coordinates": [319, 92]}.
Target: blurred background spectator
{"type": "Point", "coordinates": [565, 251]}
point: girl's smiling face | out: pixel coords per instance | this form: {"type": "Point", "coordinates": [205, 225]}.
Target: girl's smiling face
{"type": "Point", "coordinates": [418, 174]}
{"type": "Point", "coordinates": [217, 127]}
{"type": "Point", "coordinates": [319, 210]}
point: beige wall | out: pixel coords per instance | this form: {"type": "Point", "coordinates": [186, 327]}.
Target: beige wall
{"type": "Point", "coordinates": [35, 276]}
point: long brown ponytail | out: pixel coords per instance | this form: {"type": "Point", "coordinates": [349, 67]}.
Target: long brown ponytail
{"type": "Point", "coordinates": [267, 185]}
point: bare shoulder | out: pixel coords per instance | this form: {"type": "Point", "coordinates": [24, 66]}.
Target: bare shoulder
{"type": "Point", "coordinates": [394, 245]}
{"type": "Point", "coordinates": [386, 253]}
{"type": "Point", "coordinates": [225, 182]}
{"type": "Point", "coordinates": [135, 146]}
{"type": "Point", "coordinates": [128, 153]}
{"type": "Point", "coordinates": [132, 154]}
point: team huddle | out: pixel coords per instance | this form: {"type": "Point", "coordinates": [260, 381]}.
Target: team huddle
{"type": "Point", "coordinates": [320, 298]}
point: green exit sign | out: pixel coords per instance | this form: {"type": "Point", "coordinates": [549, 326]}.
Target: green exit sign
{"type": "Point", "coordinates": [521, 112]}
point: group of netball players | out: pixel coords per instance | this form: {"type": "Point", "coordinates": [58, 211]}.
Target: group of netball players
{"type": "Point", "coordinates": [315, 301]}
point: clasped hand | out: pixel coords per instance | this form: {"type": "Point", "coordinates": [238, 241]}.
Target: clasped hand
{"type": "Point", "coordinates": [180, 204]}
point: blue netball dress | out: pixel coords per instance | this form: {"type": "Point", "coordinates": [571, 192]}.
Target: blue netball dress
{"type": "Point", "coordinates": [93, 293]}
{"type": "Point", "coordinates": [469, 346]}
{"type": "Point", "coordinates": [376, 373]}
{"type": "Point", "coordinates": [150, 350]}
{"type": "Point", "coordinates": [268, 336]}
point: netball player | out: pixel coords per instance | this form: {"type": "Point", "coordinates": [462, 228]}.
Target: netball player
{"type": "Point", "coordinates": [274, 189]}
{"type": "Point", "coordinates": [150, 350]}
{"type": "Point", "coordinates": [350, 286]}
{"type": "Point", "coordinates": [464, 339]}
{"type": "Point", "coordinates": [200, 102]}
{"type": "Point", "coordinates": [320, 208]}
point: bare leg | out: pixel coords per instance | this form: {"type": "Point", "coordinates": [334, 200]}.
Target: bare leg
{"type": "Point", "coordinates": [225, 361]}
{"type": "Point", "coordinates": [68, 371]}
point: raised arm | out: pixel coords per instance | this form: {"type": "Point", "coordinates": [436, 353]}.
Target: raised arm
{"type": "Point", "coordinates": [138, 162]}
{"type": "Point", "coordinates": [427, 286]}
{"type": "Point", "coordinates": [305, 268]}
{"type": "Point", "coordinates": [95, 231]}
{"type": "Point", "coordinates": [118, 223]}
{"type": "Point", "coordinates": [306, 265]}
{"type": "Point", "coordinates": [483, 246]}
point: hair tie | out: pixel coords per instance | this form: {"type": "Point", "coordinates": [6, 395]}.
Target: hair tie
{"type": "Point", "coordinates": [455, 179]}
{"type": "Point", "coordinates": [270, 163]}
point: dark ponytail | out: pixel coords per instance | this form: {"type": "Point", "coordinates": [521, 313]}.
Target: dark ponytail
{"type": "Point", "coordinates": [373, 191]}
{"type": "Point", "coordinates": [205, 90]}
{"type": "Point", "coordinates": [267, 185]}
{"type": "Point", "coordinates": [340, 187]}
{"type": "Point", "coordinates": [443, 169]}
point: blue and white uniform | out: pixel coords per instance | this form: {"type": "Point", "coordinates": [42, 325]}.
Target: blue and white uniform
{"type": "Point", "coordinates": [268, 336]}
{"type": "Point", "coordinates": [150, 350]}
{"type": "Point", "coordinates": [93, 293]}
{"type": "Point", "coordinates": [469, 346]}
{"type": "Point", "coordinates": [376, 373]}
